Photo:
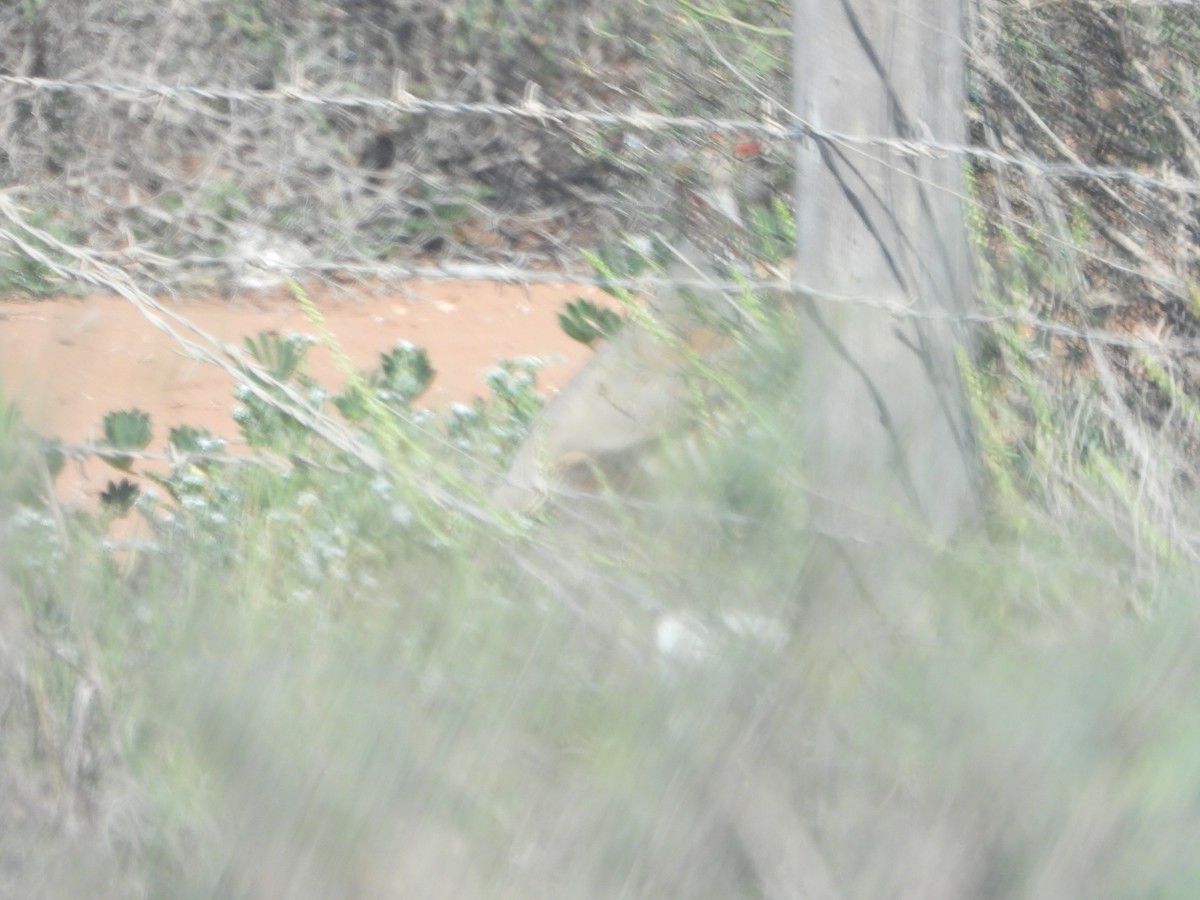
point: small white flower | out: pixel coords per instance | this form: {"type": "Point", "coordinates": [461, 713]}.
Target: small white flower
{"type": "Point", "coordinates": [682, 637]}
{"type": "Point", "coordinates": [210, 443]}
{"type": "Point", "coordinates": [194, 479]}
{"type": "Point", "coordinates": [193, 502]}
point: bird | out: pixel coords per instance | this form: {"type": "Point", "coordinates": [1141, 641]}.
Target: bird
{"type": "Point", "coordinates": [654, 376]}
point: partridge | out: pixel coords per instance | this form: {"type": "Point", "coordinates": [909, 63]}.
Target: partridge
{"type": "Point", "coordinates": [654, 377]}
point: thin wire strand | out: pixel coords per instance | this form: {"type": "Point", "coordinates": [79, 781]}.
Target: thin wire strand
{"type": "Point", "coordinates": [534, 111]}
{"type": "Point", "coordinates": [892, 307]}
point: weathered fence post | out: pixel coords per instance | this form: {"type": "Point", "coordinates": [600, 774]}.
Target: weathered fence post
{"type": "Point", "coordinates": [883, 267]}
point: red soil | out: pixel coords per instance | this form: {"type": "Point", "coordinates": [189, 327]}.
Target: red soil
{"type": "Point", "coordinates": [68, 361]}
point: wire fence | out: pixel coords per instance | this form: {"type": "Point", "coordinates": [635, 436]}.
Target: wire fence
{"type": "Point", "coordinates": [611, 691]}
{"type": "Point", "coordinates": [1083, 198]}
{"type": "Point", "coordinates": [535, 111]}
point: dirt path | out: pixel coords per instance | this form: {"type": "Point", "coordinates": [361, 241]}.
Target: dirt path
{"type": "Point", "coordinates": [69, 361]}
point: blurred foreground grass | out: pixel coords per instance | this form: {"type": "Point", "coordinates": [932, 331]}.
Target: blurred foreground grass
{"type": "Point", "coordinates": [311, 691]}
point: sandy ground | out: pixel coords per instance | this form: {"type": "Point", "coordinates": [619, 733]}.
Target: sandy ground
{"type": "Point", "coordinates": [69, 361]}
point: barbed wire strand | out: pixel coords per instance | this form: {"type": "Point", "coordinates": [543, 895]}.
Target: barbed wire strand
{"type": "Point", "coordinates": [533, 110]}
{"type": "Point", "coordinates": [512, 274]}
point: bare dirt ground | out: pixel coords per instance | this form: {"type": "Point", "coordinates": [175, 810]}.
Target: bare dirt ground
{"type": "Point", "coordinates": [68, 361]}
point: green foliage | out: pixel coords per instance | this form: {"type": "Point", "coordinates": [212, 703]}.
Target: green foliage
{"type": "Point", "coordinates": [250, 18]}
{"type": "Point", "coordinates": [353, 403]}
{"type": "Point", "coordinates": [31, 8]}
{"type": "Point", "coordinates": [20, 273]}
{"type": "Point", "coordinates": [194, 476]}
{"type": "Point", "coordinates": [488, 431]}
{"type": "Point", "coordinates": [119, 497]}
{"type": "Point", "coordinates": [427, 220]}
{"type": "Point", "coordinates": [282, 356]}
{"type": "Point", "coordinates": [751, 38]}
{"type": "Point", "coordinates": [478, 23]}
{"type": "Point", "coordinates": [512, 383]}
{"type": "Point", "coordinates": [773, 231]}
{"type": "Point", "coordinates": [227, 201]}
{"type": "Point", "coordinates": [403, 374]}
{"type": "Point", "coordinates": [10, 420]}
{"type": "Point", "coordinates": [1170, 387]}
{"type": "Point", "coordinates": [1193, 297]}
{"type": "Point", "coordinates": [186, 439]}
{"type": "Point", "coordinates": [127, 429]}
{"type": "Point", "coordinates": [588, 323]}
{"type": "Point", "coordinates": [262, 417]}
{"type": "Point", "coordinates": [19, 476]}
{"type": "Point", "coordinates": [620, 263]}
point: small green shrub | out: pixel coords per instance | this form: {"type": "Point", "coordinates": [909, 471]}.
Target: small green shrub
{"type": "Point", "coordinates": [21, 274]}
{"type": "Point", "coordinates": [264, 423]}
{"type": "Point", "coordinates": [127, 429]}
{"type": "Point", "coordinates": [588, 323]}
{"type": "Point", "coordinates": [403, 374]}
{"type": "Point", "coordinates": [119, 497]}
